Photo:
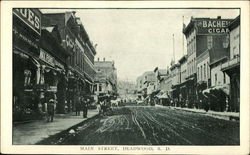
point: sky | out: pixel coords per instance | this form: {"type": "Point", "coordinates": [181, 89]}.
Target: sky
{"type": "Point", "coordinates": [139, 40]}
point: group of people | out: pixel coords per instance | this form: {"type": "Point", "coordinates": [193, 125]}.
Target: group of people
{"type": "Point", "coordinates": [82, 104]}
{"type": "Point", "coordinates": [104, 107]}
{"type": "Point", "coordinates": [48, 107]}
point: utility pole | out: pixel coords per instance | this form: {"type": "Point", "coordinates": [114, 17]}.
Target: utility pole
{"type": "Point", "coordinates": [183, 35]}
{"type": "Point", "coordinates": [173, 50]}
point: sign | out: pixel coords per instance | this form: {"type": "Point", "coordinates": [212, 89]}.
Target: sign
{"type": "Point", "coordinates": [31, 17]}
{"type": "Point", "coordinates": [46, 57]}
{"type": "Point", "coordinates": [52, 89]}
{"type": "Point", "coordinates": [213, 26]}
{"type": "Point", "coordinates": [24, 38]}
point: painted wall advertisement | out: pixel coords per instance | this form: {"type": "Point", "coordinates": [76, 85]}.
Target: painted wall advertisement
{"type": "Point", "coordinates": [213, 26]}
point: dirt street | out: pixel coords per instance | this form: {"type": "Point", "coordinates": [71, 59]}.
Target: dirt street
{"type": "Point", "coordinates": [146, 125]}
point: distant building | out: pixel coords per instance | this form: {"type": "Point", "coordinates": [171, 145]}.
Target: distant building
{"type": "Point", "coordinates": [146, 84]}
{"type": "Point", "coordinates": [139, 87]}
{"type": "Point", "coordinates": [183, 74]}
{"type": "Point", "coordinates": [106, 78]}
{"type": "Point", "coordinates": [232, 66]}
{"type": "Point", "coordinates": [176, 77]}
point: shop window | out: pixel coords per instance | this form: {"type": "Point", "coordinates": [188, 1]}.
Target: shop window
{"type": "Point", "coordinates": [27, 77]}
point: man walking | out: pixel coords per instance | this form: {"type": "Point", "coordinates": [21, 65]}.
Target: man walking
{"type": "Point", "coordinates": [85, 108]}
{"type": "Point", "coordinates": [50, 108]}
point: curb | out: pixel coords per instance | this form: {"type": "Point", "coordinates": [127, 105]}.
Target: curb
{"type": "Point", "coordinates": [219, 116]}
{"type": "Point", "coordinates": [52, 138]}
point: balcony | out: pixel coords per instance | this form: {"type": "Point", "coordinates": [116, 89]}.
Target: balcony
{"type": "Point", "coordinates": [231, 63]}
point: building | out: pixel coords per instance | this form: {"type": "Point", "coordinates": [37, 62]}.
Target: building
{"type": "Point", "coordinates": [139, 87]}
{"type": "Point", "coordinates": [176, 77]}
{"type": "Point", "coordinates": [232, 66]}
{"type": "Point", "coordinates": [106, 78]}
{"type": "Point", "coordinates": [203, 72]}
{"type": "Point", "coordinates": [26, 66]}
{"type": "Point", "coordinates": [190, 33]}
{"type": "Point", "coordinates": [160, 76]}
{"type": "Point", "coordinates": [147, 85]}
{"type": "Point", "coordinates": [206, 37]}
{"type": "Point", "coordinates": [183, 76]}
{"type": "Point", "coordinates": [53, 59]}
{"type": "Point", "coordinates": [149, 82]}
{"type": "Point", "coordinates": [80, 64]}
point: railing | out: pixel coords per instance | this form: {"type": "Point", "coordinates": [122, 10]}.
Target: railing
{"type": "Point", "coordinates": [230, 63]}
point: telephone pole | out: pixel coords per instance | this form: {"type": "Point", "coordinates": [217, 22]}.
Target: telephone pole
{"type": "Point", "coordinates": [173, 50]}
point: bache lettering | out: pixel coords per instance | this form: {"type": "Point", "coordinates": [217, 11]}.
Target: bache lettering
{"type": "Point", "coordinates": [213, 26]}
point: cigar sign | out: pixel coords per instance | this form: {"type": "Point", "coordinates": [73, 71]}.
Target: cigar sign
{"type": "Point", "coordinates": [213, 26]}
{"type": "Point", "coordinates": [31, 17]}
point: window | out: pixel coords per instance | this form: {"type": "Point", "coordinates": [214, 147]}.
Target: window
{"type": "Point", "coordinates": [215, 79]}
{"type": "Point", "coordinates": [100, 87]}
{"type": "Point", "coordinates": [201, 73]}
{"type": "Point", "coordinates": [198, 74]}
{"type": "Point", "coordinates": [224, 77]}
{"type": "Point", "coordinates": [192, 64]}
{"type": "Point", "coordinates": [204, 71]}
{"type": "Point", "coordinates": [209, 42]}
{"type": "Point", "coordinates": [208, 71]}
{"type": "Point", "coordinates": [95, 88]}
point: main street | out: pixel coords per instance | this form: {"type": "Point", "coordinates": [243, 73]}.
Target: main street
{"type": "Point", "coordinates": [147, 125]}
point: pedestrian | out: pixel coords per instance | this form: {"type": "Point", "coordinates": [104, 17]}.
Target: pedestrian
{"type": "Point", "coordinates": [85, 108]}
{"type": "Point", "coordinates": [50, 110]}
{"type": "Point", "coordinates": [78, 106]}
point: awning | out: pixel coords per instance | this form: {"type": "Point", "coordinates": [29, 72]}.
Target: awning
{"type": "Point", "coordinates": [164, 95]}
{"type": "Point", "coordinates": [225, 88]}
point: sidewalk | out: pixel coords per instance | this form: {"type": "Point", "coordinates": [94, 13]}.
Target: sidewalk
{"type": "Point", "coordinates": [215, 114]}
{"type": "Point", "coordinates": [32, 132]}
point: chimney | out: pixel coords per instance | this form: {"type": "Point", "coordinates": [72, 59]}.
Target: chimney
{"type": "Point", "coordinates": [218, 17]}
{"type": "Point", "coordinates": [98, 59]}
{"type": "Point", "coordinates": [103, 59]}
{"type": "Point", "coordinates": [73, 12]}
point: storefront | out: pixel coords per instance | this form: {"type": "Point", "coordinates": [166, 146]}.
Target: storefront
{"type": "Point", "coordinates": [53, 71]}
{"type": "Point", "coordinates": [232, 68]}
{"type": "Point", "coordinates": [191, 91]}
{"type": "Point", "coordinates": [26, 68]}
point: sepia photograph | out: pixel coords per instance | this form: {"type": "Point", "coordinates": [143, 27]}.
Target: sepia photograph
{"type": "Point", "coordinates": [140, 78]}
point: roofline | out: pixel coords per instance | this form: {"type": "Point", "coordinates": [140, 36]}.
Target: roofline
{"type": "Point", "coordinates": [234, 23]}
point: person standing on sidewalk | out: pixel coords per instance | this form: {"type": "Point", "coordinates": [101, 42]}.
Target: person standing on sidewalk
{"type": "Point", "coordinates": [50, 110]}
{"type": "Point", "coordinates": [85, 108]}
{"type": "Point", "coordinates": [78, 106]}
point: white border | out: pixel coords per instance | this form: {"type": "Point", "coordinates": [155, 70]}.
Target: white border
{"type": "Point", "coordinates": [6, 75]}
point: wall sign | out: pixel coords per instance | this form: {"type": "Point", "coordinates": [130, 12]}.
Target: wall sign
{"type": "Point", "coordinates": [213, 26]}
{"type": "Point", "coordinates": [31, 17]}
{"type": "Point", "coordinates": [24, 38]}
